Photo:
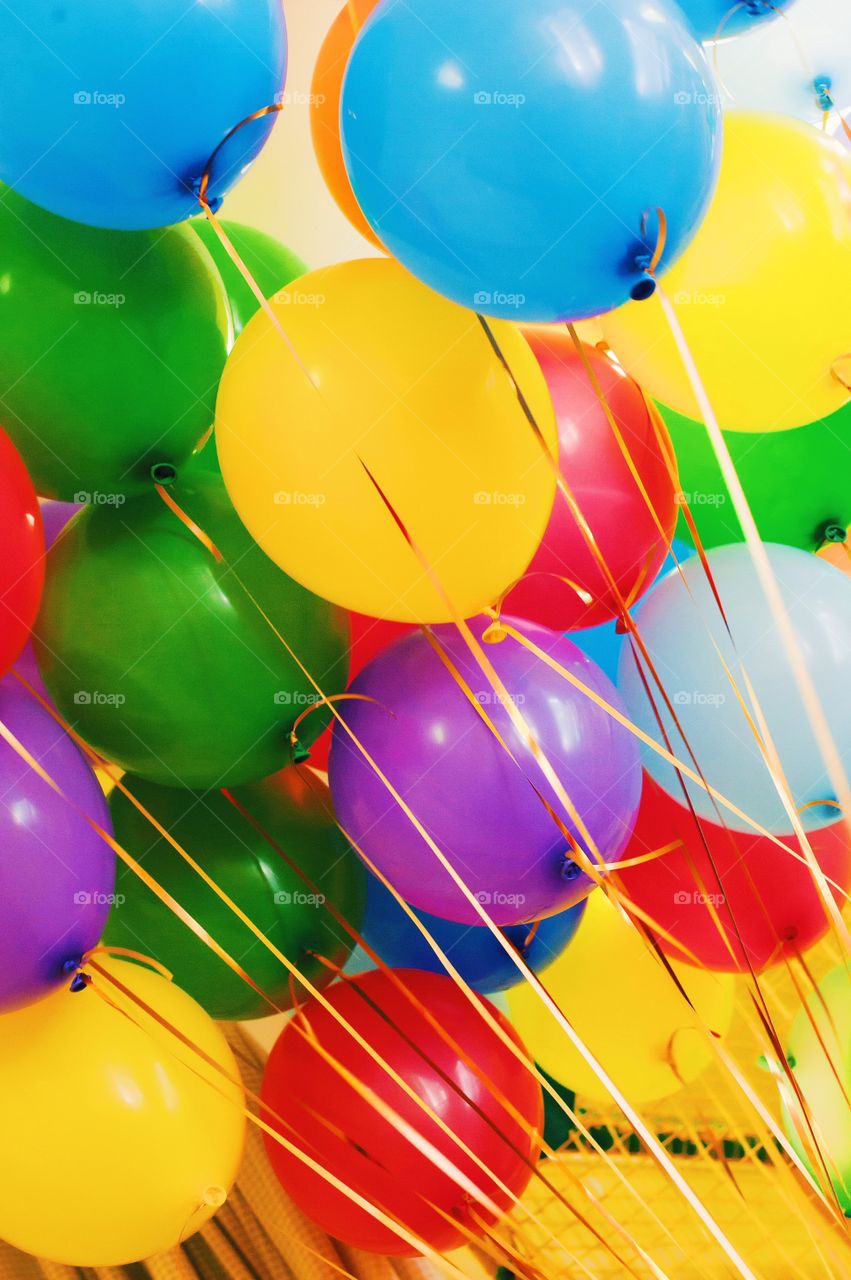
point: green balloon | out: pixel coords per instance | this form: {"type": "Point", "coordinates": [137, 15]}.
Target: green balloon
{"type": "Point", "coordinates": [294, 809]}
{"type": "Point", "coordinates": [112, 344]}
{"type": "Point", "coordinates": [798, 482]}
{"type": "Point", "coordinates": [271, 264]}
{"type": "Point", "coordinates": [159, 658]}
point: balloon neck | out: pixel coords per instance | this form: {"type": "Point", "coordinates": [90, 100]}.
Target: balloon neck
{"type": "Point", "coordinates": [570, 870]}
{"type": "Point", "coordinates": [301, 755]}
{"type": "Point", "coordinates": [79, 982]}
{"type": "Point", "coordinates": [495, 633]}
{"type": "Point", "coordinates": [213, 203]}
{"type": "Point", "coordinates": [822, 85]}
{"type": "Point", "coordinates": [163, 473]}
{"type": "Point", "coordinates": [831, 531]}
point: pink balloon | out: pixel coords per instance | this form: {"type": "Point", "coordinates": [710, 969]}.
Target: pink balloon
{"type": "Point", "coordinates": [633, 544]}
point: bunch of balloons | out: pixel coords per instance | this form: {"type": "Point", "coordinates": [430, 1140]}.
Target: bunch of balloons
{"type": "Point", "coordinates": [401, 517]}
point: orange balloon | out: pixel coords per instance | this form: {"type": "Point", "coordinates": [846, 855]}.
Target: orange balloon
{"type": "Point", "coordinates": [325, 93]}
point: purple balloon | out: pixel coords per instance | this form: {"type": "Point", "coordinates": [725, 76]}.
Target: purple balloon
{"type": "Point", "coordinates": [479, 807]}
{"type": "Point", "coordinates": [57, 875]}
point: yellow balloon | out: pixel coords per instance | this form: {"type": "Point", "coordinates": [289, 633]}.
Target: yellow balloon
{"type": "Point", "coordinates": [116, 1143]}
{"type": "Point", "coordinates": [762, 290]}
{"type": "Point", "coordinates": [394, 382]}
{"type": "Point", "coordinates": [623, 1005]}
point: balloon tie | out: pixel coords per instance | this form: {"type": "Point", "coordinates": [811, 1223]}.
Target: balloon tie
{"type": "Point", "coordinates": [300, 753]}
{"type": "Point", "coordinates": [647, 261]}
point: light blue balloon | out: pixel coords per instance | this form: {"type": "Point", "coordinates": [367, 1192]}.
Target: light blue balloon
{"type": "Point", "coordinates": [707, 16]}
{"type": "Point", "coordinates": [679, 631]}
{"type": "Point", "coordinates": [507, 152]}
{"type": "Point", "coordinates": [111, 109]}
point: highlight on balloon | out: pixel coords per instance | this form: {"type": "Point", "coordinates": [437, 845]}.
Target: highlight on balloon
{"type": "Point", "coordinates": [425, 639]}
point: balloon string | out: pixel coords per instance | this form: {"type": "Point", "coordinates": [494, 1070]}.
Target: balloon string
{"type": "Point", "coordinates": [655, 1148]}
{"type": "Point", "coordinates": [186, 520]}
{"type": "Point", "coordinates": [791, 646]}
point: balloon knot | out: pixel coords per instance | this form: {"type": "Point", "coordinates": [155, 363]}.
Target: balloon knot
{"type": "Point", "coordinates": [831, 531]}
{"type": "Point", "coordinates": [300, 753]}
{"type": "Point", "coordinates": [81, 981]}
{"type": "Point", "coordinates": [822, 85]}
{"type": "Point", "coordinates": [495, 633]}
{"type": "Point", "coordinates": [163, 473]}
{"type": "Point", "coordinates": [570, 870]}
{"type": "Point", "coordinates": [199, 191]}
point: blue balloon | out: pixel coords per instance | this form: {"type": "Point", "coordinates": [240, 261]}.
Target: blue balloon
{"type": "Point", "coordinates": [110, 112]}
{"type": "Point", "coordinates": [512, 153]}
{"type": "Point", "coordinates": [472, 949]}
{"type": "Point", "coordinates": [680, 624]}
{"type": "Point", "coordinates": [707, 17]}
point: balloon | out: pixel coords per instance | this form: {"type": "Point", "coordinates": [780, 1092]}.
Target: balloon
{"type": "Point", "coordinates": [325, 94]}
{"type": "Point", "coordinates": [348, 1136]}
{"type": "Point", "coordinates": [293, 810]}
{"type": "Point", "coordinates": [56, 873]}
{"type": "Point", "coordinates": [819, 1053]}
{"type": "Point", "coordinates": [22, 540]}
{"type": "Point", "coordinates": [626, 1009]}
{"type": "Point", "coordinates": [796, 513]}
{"type": "Point", "coordinates": [111, 348]}
{"type": "Point", "coordinates": [732, 899]}
{"type": "Point", "coordinates": [120, 1140]}
{"type": "Point", "coordinates": [717, 17]}
{"type": "Point", "coordinates": [472, 949]}
{"type": "Point", "coordinates": [485, 811]}
{"type": "Point", "coordinates": [681, 625]}
{"type": "Point", "coordinates": [631, 519]}
{"type": "Point", "coordinates": [477, 149]}
{"type": "Point", "coordinates": [112, 115]}
{"type": "Point", "coordinates": [368, 637]}
{"type": "Point", "coordinates": [399, 396]}
{"type": "Point", "coordinates": [761, 293]}
{"type": "Point", "coordinates": [161, 660]}
{"type": "Point", "coordinates": [798, 67]}
{"type": "Point", "coordinates": [271, 264]}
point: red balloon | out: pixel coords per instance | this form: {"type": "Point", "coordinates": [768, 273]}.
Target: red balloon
{"type": "Point", "coordinates": [329, 1120]}
{"type": "Point", "coordinates": [606, 492]}
{"type": "Point", "coordinates": [766, 901]}
{"type": "Point", "coordinates": [22, 559]}
{"type": "Point", "coordinates": [369, 637]}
